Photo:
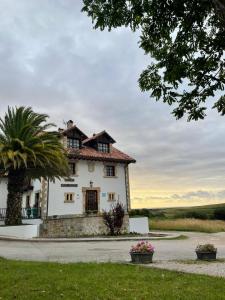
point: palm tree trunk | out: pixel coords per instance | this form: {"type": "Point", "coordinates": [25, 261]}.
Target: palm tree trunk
{"type": "Point", "coordinates": [16, 180]}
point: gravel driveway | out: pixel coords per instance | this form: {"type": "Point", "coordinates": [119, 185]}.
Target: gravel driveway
{"type": "Point", "coordinates": [118, 251]}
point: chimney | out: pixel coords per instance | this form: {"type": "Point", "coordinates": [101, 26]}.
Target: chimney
{"type": "Point", "coordinates": [69, 124]}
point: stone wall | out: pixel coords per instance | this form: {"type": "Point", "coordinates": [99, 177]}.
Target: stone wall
{"type": "Point", "coordinates": [69, 227]}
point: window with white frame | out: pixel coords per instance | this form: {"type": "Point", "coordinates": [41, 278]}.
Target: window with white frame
{"type": "Point", "coordinates": [73, 143]}
{"type": "Point", "coordinates": [103, 147]}
{"type": "Point", "coordinates": [68, 197]}
{"type": "Point", "coordinates": [111, 197]}
{"type": "Point", "coordinates": [110, 171]}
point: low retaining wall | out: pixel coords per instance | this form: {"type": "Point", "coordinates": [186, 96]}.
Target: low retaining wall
{"type": "Point", "coordinates": [139, 225]}
{"type": "Point", "coordinates": [20, 231]}
{"type": "Point", "coordinates": [69, 227]}
{"type": "Point", "coordinates": [27, 221]}
{"type": "Point", "coordinates": [32, 221]}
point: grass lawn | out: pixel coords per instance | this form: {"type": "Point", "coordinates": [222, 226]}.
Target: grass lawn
{"type": "Point", "coordinates": [30, 280]}
{"type": "Point", "coordinates": [209, 226]}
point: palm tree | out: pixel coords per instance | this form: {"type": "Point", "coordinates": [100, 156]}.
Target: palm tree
{"type": "Point", "coordinates": [28, 150]}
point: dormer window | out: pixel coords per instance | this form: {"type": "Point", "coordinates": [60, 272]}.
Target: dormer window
{"type": "Point", "coordinates": [103, 147]}
{"type": "Point", "coordinates": [73, 143]}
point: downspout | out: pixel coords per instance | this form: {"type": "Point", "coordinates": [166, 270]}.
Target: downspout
{"type": "Point", "coordinates": [127, 185]}
{"type": "Point", "coordinates": [47, 200]}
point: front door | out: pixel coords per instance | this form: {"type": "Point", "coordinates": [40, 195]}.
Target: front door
{"type": "Point", "coordinates": [91, 201]}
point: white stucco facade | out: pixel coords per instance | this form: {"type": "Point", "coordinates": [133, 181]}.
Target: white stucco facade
{"type": "Point", "coordinates": [3, 192]}
{"type": "Point", "coordinates": [86, 179]}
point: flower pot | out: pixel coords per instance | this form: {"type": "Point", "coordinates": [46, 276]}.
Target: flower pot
{"type": "Point", "coordinates": [206, 255]}
{"type": "Point", "coordinates": [141, 258]}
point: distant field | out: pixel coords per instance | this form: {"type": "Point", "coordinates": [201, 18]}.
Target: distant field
{"type": "Point", "coordinates": [209, 226]}
{"type": "Point", "coordinates": [208, 218]}
{"type": "Point", "coordinates": [207, 210]}
{"type": "Point", "coordinates": [198, 212]}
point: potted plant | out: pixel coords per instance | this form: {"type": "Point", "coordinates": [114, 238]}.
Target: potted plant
{"type": "Point", "coordinates": [206, 252]}
{"type": "Point", "coordinates": [142, 253]}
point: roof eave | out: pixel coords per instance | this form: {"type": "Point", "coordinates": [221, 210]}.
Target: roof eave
{"type": "Point", "coordinates": [77, 156]}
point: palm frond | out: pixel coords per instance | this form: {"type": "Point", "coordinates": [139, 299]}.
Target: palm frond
{"type": "Point", "coordinates": [25, 143]}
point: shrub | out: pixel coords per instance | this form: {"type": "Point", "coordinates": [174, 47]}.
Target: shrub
{"type": "Point", "coordinates": [219, 214]}
{"type": "Point", "coordinates": [140, 212]}
{"type": "Point", "coordinates": [147, 213]}
{"type": "Point", "coordinates": [157, 214]}
{"type": "Point", "coordinates": [134, 212]}
{"type": "Point", "coordinates": [114, 218]}
{"type": "Point", "coordinates": [196, 215]}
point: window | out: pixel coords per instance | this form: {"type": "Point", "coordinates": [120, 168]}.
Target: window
{"type": "Point", "coordinates": [111, 197]}
{"type": "Point", "coordinates": [103, 147]}
{"type": "Point", "coordinates": [73, 143]}
{"type": "Point", "coordinates": [110, 171]}
{"type": "Point", "coordinates": [72, 167]}
{"type": "Point", "coordinates": [68, 197]}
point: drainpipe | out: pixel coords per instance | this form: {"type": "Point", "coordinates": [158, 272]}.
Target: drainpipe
{"type": "Point", "coordinates": [47, 200]}
{"type": "Point", "coordinates": [127, 185]}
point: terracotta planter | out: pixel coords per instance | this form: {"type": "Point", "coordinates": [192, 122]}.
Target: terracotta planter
{"type": "Point", "coordinates": [141, 258]}
{"type": "Point", "coordinates": [206, 255]}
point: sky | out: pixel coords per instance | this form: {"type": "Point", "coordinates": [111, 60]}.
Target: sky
{"type": "Point", "coordinates": [52, 59]}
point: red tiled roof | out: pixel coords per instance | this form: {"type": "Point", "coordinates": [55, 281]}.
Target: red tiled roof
{"type": "Point", "coordinates": [92, 154]}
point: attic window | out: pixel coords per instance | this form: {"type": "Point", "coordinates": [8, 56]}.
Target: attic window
{"type": "Point", "coordinates": [73, 143]}
{"type": "Point", "coordinates": [103, 147]}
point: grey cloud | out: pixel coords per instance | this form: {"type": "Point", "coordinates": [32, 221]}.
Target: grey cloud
{"type": "Point", "coordinates": [219, 195]}
{"type": "Point", "coordinates": [182, 199]}
{"type": "Point", "coordinates": [53, 60]}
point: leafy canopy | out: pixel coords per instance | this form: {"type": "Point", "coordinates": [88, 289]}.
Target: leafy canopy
{"type": "Point", "coordinates": [26, 144]}
{"type": "Point", "coordinates": [186, 41]}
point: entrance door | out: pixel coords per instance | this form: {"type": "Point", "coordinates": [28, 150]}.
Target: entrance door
{"type": "Point", "coordinates": [91, 201]}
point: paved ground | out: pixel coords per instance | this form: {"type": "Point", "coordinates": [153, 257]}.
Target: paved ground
{"type": "Point", "coordinates": [118, 251]}
{"type": "Point", "coordinates": [207, 268]}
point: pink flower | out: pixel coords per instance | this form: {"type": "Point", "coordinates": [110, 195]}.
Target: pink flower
{"type": "Point", "coordinates": [143, 247]}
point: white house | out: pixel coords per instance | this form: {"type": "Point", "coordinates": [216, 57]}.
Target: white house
{"type": "Point", "coordinates": [99, 178]}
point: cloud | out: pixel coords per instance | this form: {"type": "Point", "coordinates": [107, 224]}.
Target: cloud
{"type": "Point", "coordinates": [52, 59]}
{"type": "Point", "coordinates": [194, 195]}
{"type": "Point", "coordinates": [182, 199]}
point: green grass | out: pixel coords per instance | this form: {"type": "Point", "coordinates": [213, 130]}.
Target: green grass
{"type": "Point", "coordinates": [209, 226]}
{"type": "Point", "coordinates": [35, 281]}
